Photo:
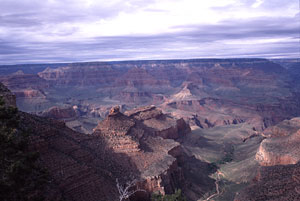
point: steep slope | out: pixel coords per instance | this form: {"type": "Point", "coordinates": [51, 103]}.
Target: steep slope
{"type": "Point", "coordinates": [276, 183]}
{"type": "Point", "coordinates": [145, 134]}
{"type": "Point", "coordinates": [21, 177]}
{"type": "Point", "coordinates": [282, 145]}
{"type": "Point", "coordinates": [8, 98]}
{"type": "Point", "coordinates": [278, 178]}
{"type": "Point", "coordinates": [85, 167]}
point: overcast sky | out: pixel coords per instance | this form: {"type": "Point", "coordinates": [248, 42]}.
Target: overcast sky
{"type": "Point", "coordinates": [43, 31]}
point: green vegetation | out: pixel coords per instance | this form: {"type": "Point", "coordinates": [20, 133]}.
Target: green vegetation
{"type": "Point", "coordinates": [177, 196]}
{"type": "Point", "coordinates": [229, 152]}
{"type": "Point", "coordinates": [21, 179]}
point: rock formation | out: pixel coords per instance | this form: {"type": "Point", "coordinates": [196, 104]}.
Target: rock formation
{"type": "Point", "coordinates": [161, 124]}
{"type": "Point", "coordinates": [282, 144]}
{"type": "Point", "coordinates": [278, 178]}
{"type": "Point", "coordinates": [207, 92]}
{"type": "Point", "coordinates": [154, 157]}
{"type": "Point", "coordinates": [60, 113]}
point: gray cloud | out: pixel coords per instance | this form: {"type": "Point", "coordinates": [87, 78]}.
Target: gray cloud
{"type": "Point", "coordinates": [190, 41]}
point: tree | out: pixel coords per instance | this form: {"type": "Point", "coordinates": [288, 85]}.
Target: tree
{"type": "Point", "coordinates": [128, 189]}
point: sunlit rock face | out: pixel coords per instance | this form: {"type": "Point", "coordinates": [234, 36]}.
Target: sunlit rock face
{"type": "Point", "coordinates": [282, 144]}
{"type": "Point", "coordinates": [278, 178]}
{"type": "Point", "coordinates": [140, 133]}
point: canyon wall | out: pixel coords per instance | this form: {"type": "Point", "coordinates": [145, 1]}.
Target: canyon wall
{"type": "Point", "coordinates": [205, 92]}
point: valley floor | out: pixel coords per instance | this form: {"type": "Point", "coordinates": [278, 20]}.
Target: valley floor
{"type": "Point", "coordinates": [225, 147]}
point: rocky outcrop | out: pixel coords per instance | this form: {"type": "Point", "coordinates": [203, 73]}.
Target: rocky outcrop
{"type": "Point", "coordinates": [211, 112]}
{"type": "Point", "coordinates": [137, 134]}
{"type": "Point", "coordinates": [161, 124]}
{"type": "Point", "coordinates": [282, 144]}
{"type": "Point", "coordinates": [118, 132]}
{"type": "Point", "coordinates": [56, 112]}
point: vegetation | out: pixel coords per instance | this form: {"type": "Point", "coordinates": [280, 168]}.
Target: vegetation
{"type": "Point", "coordinates": [177, 196]}
{"type": "Point", "coordinates": [20, 177]}
{"type": "Point", "coordinates": [229, 153]}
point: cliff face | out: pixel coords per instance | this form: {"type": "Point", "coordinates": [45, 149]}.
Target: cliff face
{"type": "Point", "coordinates": [161, 125]}
{"type": "Point", "coordinates": [75, 75]}
{"type": "Point", "coordinates": [282, 144]}
{"type": "Point", "coordinates": [85, 167]}
{"type": "Point", "coordinates": [119, 132]}
{"type": "Point", "coordinates": [278, 178]}
{"type": "Point", "coordinates": [153, 156]}
{"type": "Point", "coordinates": [23, 81]}
{"type": "Point", "coordinates": [207, 92]}
{"type": "Point", "coordinates": [76, 163]}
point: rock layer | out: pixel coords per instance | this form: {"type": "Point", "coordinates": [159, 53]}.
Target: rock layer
{"type": "Point", "coordinates": [153, 156]}
{"type": "Point", "coordinates": [282, 144]}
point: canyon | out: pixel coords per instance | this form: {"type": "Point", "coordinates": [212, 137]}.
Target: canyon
{"type": "Point", "coordinates": [219, 129]}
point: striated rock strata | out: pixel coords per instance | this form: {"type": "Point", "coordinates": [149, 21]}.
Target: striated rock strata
{"type": "Point", "coordinates": [161, 124]}
{"type": "Point", "coordinates": [278, 178]}
{"type": "Point", "coordinates": [155, 157]}
{"type": "Point", "coordinates": [282, 144]}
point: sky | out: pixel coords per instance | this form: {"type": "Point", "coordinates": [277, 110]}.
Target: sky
{"type": "Point", "coordinates": [51, 31]}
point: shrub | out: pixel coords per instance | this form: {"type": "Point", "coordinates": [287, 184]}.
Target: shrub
{"type": "Point", "coordinates": [177, 196]}
{"type": "Point", "coordinates": [21, 179]}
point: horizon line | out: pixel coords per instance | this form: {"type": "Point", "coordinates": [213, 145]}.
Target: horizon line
{"type": "Point", "coordinates": [161, 59]}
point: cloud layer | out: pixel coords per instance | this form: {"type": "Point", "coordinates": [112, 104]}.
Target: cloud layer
{"type": "Point", "coordinates": [89, 30]}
